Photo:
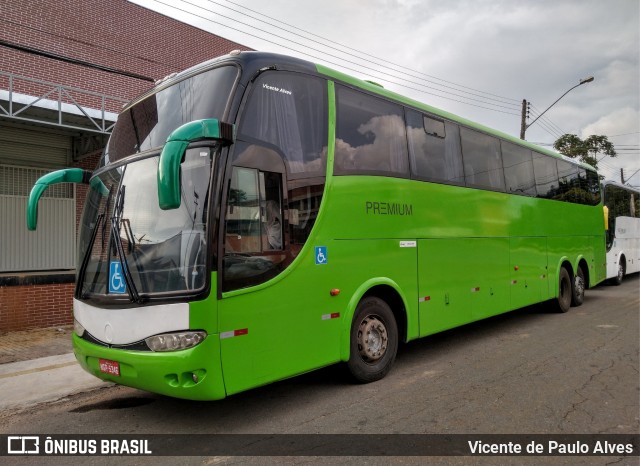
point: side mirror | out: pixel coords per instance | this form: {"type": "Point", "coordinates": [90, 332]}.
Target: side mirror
{"type": "Point", "coordinates": [173, 152]}
{"type": "Point", "coordinates": [68, 175]}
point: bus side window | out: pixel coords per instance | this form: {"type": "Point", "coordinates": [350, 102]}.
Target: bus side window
{"type": "Point", "coordinates": [518, 169]}
{"type": "Point", "coordinates": [482, 160]}
{"type": "Point", "coordinates": [370, 136]}
{"type": "Point", "coordinates": [254, 239]}
{"type": "Point", "coordinates": [546, 174]}
{"type": "Point", "coordinates": [434, 149]}
{"type": "Point", "coordinates": [569, 184]}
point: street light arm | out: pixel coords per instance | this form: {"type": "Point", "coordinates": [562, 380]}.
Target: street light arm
{"type": "Point", "coordinates": [582, 81]}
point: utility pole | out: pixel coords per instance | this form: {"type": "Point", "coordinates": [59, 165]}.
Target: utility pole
{"type": "Point", "coordinates": [622, 175]}
{"type": "Point", "coordinates": [523, 120]}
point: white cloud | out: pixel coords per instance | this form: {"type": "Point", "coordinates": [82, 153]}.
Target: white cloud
{"type": "Point", "coordinates": [519, 49]}
{"type": "Point", "coordinates": [622, 121]}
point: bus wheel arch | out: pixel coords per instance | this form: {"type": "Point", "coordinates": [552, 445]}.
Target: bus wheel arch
{"type": "Point", "coordinates": [393, 299]}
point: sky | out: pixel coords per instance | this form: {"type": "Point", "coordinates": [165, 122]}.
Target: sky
{"type": "Point", "coordinates": [475, 58]}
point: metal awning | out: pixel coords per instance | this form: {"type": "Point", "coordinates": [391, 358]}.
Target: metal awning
{"type": "Point", "coordinates": [37, 101]}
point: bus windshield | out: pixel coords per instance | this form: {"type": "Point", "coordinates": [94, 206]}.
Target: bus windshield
{"type": "Point", "coordinates": [129, 247]}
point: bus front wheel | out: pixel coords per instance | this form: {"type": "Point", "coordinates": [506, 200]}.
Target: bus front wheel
{"type": "Point", "coordinates": [565, 291]}
{"type": "Point", "coordinates": [374, 340]}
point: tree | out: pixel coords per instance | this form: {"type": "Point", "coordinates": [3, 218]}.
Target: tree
{"type": "Point", "coordinates": [585, 150]}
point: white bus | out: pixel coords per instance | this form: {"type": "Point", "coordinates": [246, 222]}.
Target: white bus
{"type": "Point", "coordinates": [623, 230]}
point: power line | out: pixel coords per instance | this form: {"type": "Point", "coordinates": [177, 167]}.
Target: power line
{"type": "Point", "coordinates": [369, 68]}
{"type": "Point", "coordinates": [61, 36]}
{"type": "Point", "coordinates": [75, 61]}
{"type": "Point", "coordinates": [536, 112]}
{"type": "Point", "coordinates": [380, 61]}
{"type": "Point", "coordinates": [324, 59]}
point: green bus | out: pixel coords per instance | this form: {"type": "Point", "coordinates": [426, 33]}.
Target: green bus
{"type": "Point", "coordinates": [258, 216]}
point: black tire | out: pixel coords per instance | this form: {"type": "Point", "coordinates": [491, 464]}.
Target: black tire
{"type": "Point", "coordinates": [565, 291]}
{"type": "Point", "coordinates": [374, 340]}
{"type": "Point", "coordinates": [617, 280]}
{"type": "Point", "coordinates": [578, 286]}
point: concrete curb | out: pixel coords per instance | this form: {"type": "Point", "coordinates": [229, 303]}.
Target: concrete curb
{"type": "Point", "coordinates": [27, 383]}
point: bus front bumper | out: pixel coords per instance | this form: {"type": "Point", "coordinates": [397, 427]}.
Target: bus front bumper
{"type": "Point", "coordinates": [193, 374]}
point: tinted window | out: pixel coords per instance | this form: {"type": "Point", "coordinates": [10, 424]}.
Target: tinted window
{"type": "Point", "coordinates": [433, 127]}
{"type": "Point", "coordinates": [370, 135]}
{"type": "Point", "coordinates": [148, 123]}
{"type": "Point", "coordinates": [518, 169]}
{"type": "Point", "coordinates": [546, 174]}
{"type": "Point", "coordinates": [482, 160]}
{"type": "Point", "coordinates": [254, 235]}
{"type": "Point", "coordinates": [289, 112]}
{"type": "Point", "coordinates": [568, 182]}
{"type": "Point", "coordinates": [621, 202]}
{"type": "Point", "coordinates": [593, 186]}
{"type": "Point", "coordinates": [434, 148]}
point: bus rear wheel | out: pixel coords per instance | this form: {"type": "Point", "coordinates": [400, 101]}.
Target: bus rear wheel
{"type": "Point", "coordinates": [565, 291]}
{"type": "Point", "coordinates": [374, 340]}
{"type": "Point", "coordinates": [579, 285]}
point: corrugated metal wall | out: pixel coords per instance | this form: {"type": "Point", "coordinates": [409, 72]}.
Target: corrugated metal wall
{"type": "Point", "coordinates": [51, 247]}
{"type": "Point", "coordinates": [25, 155]}
{"type": "Point", "coordinates": [19, 146]}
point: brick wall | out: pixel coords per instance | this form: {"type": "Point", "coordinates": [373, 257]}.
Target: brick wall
{"type": "Point", "coordinates": [114, 34]}
{"type": "Point", "coordinates": [108, 33]}
{"type": "Point", "coordinates": [35, 306]}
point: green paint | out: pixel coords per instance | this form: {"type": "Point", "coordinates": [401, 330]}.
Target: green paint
{"type": "Point", "coordinates": [67, 175]}
{"type": "Point", "coordinates": [173, 153]}
{"type": "Point", "coordinates": [449, 254]}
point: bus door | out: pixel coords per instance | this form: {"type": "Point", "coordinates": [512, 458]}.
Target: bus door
{"type": "Point", "coordinates": [275, 315]}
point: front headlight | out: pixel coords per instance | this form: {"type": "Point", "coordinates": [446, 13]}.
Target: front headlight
{"type": "Point", "coordinates": [175, 341]}
{"type": "Point", "coordinates": [78, 328]}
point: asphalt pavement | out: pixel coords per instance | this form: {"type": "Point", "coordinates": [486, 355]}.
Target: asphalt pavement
{"type": "Point", "coordinates": [38, 366]}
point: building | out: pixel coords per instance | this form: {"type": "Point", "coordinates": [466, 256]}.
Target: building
{"type": "Point", "coordinates": [66, 69]}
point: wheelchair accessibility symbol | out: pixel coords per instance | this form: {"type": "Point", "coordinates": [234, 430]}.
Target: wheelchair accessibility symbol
{"type": "Point", "coordinates": [321, 255]}
{"type": "Point", "coordinates": [116, 280]}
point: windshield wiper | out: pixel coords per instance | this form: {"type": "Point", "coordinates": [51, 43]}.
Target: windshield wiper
{"type": "Point", "coordinates": [115, 235]}
{"type": "Point", "coordinates": [87, 256]}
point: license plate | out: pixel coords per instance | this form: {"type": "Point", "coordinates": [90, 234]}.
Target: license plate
{"type": "Point", "coordinates": [109, 367]}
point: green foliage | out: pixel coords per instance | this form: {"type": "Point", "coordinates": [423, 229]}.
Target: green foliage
{"type": "Point", "coordinates": [584, 150]}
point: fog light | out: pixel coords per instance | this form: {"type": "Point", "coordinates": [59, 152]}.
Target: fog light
{"type": "Point", "coordinates": [194, 376]}
{"type": "Point", "coordinates": [175, 341]}
{"type": "Point", "coordinates": [78, 328]}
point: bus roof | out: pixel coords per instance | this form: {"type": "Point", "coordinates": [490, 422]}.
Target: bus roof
{"type": "Point", "coordinates": [252, 62]}
{"type": "Point", "coordinates": [621, 186]}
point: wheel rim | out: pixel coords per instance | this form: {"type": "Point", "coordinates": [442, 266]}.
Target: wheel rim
{"type": "Point", "coordinates": [372, 339]}
{"type": "Point", "coordinates": [620, 271]}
